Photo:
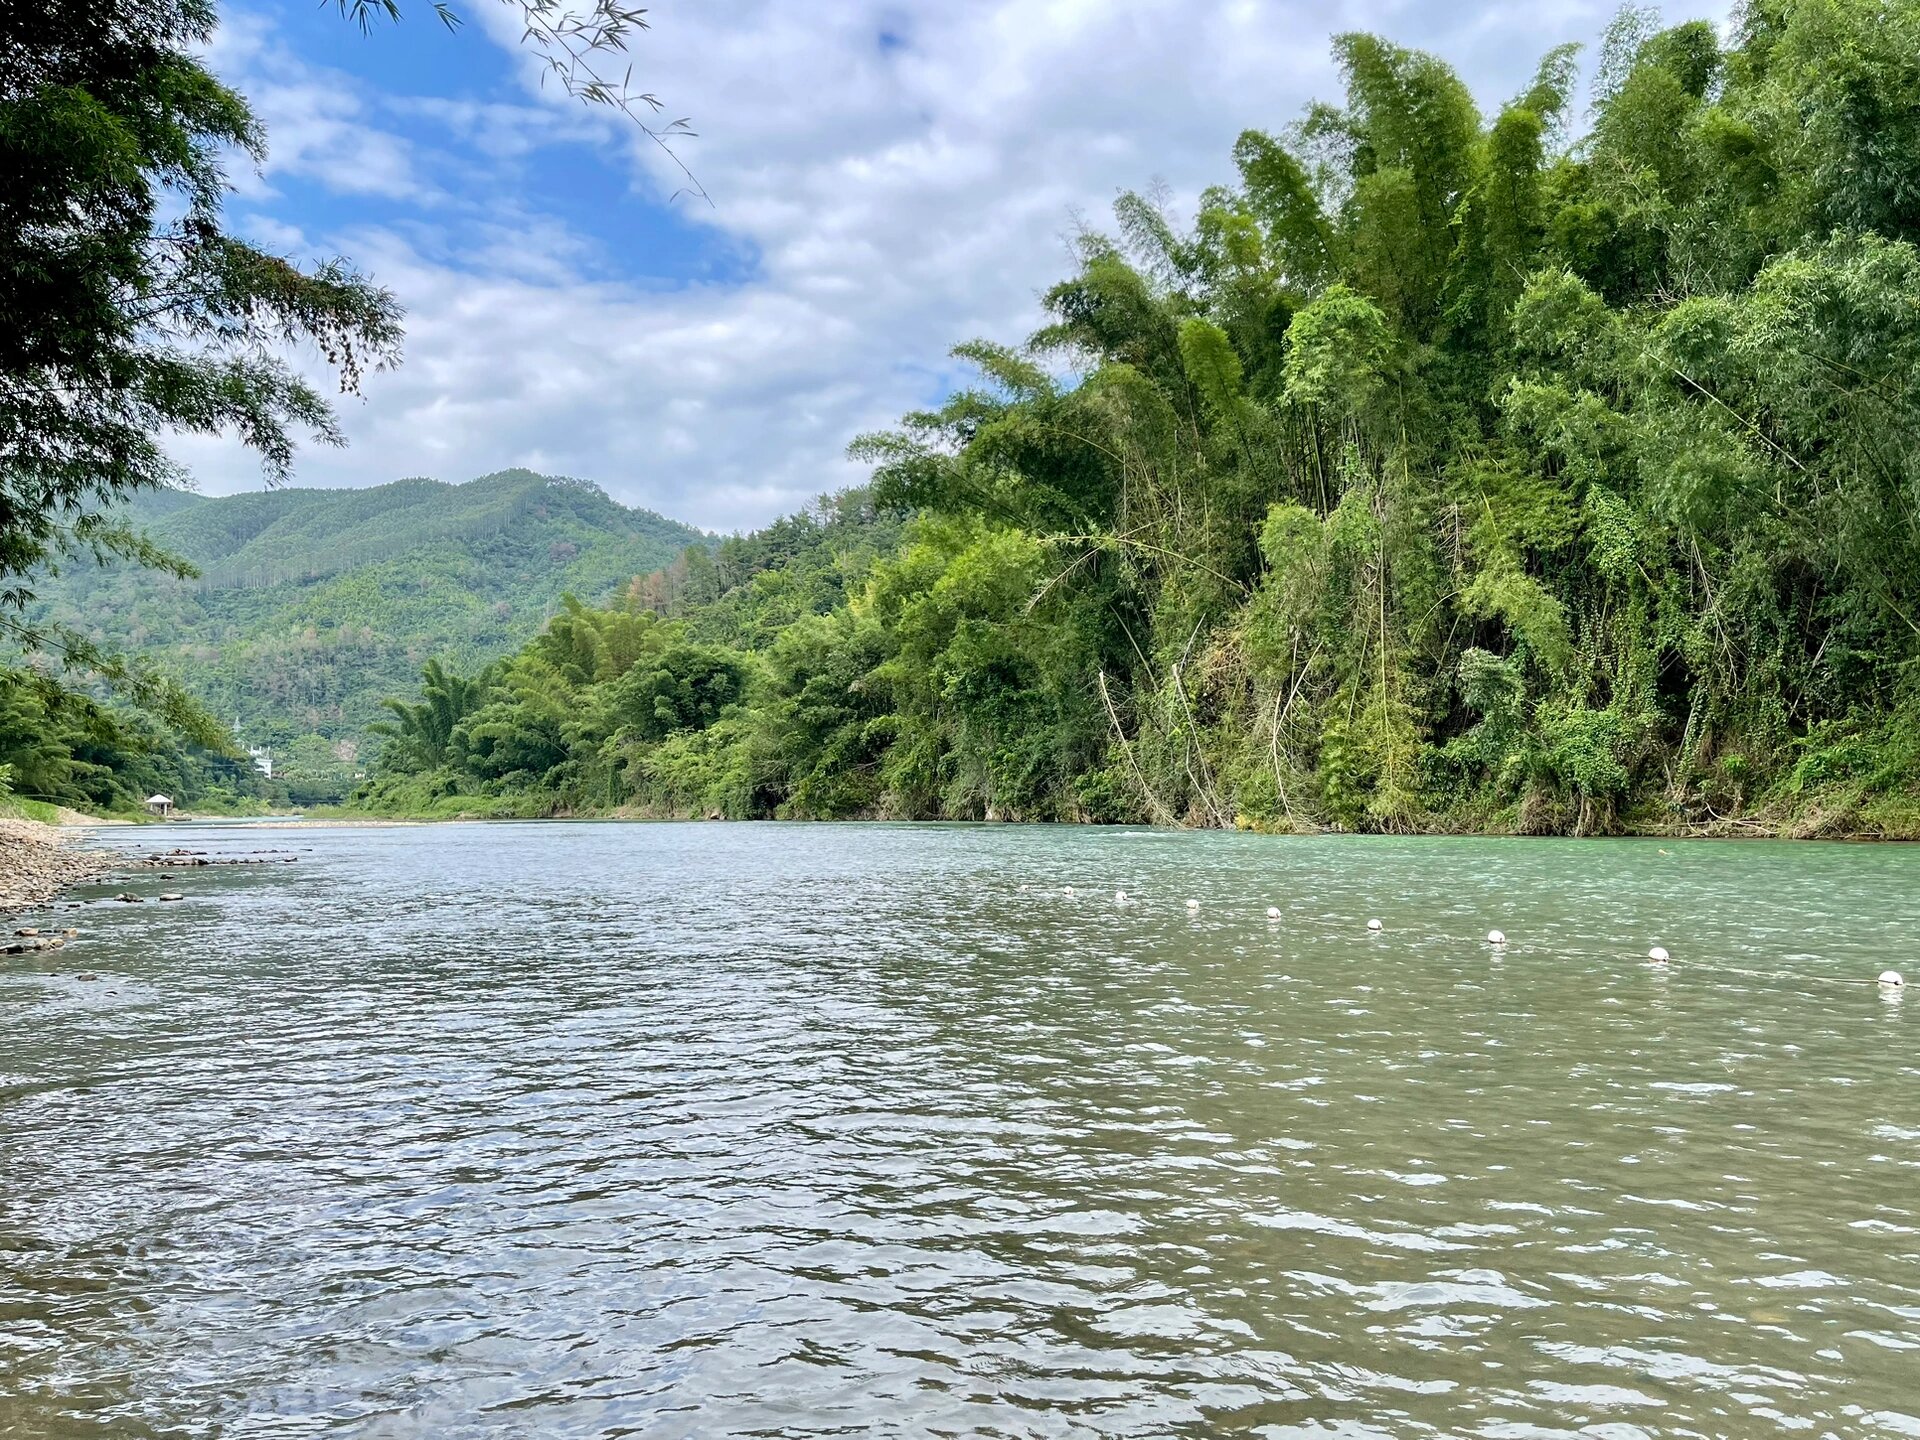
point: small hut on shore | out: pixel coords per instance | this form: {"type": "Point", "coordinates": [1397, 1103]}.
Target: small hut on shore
{"type": "Point", "coordinates": [161, 805]}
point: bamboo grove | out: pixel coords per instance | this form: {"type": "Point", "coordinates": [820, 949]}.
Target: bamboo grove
{"type": "Point", "coordinates": [1554, 470]}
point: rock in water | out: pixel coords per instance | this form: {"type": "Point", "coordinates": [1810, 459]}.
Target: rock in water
{"type": "Point", "coordinates": [28, 947]}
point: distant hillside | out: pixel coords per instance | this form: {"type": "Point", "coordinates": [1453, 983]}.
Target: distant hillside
{"type": "Point", "coordinates": [313, 604]}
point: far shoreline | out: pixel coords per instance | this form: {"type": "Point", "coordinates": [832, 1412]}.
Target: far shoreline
{"type": "Point", "coordinates": [1725, 831]}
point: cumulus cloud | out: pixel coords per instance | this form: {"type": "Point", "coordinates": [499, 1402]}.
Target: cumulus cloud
{"type": "Point", "coordinates": [320, 124]}
{"type": "Point", "coordinates": [901, 175]}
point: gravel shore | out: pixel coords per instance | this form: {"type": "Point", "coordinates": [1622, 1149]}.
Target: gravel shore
{"type": "Point", "coordinates": [38, 861]}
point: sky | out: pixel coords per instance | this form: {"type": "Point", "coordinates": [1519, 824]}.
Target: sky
{"type": "Point", "coordinates": [887, 178]}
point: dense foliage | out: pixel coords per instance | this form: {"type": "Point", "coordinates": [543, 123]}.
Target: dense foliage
{"type": "Point", "coordinates": [308, 606]}
{"type": "Point", "coordinates": [1444, 472]}
{"type": "Point", "coordinates": [649, 697]}
{"type": "Point", "coordinates": [61, 747]}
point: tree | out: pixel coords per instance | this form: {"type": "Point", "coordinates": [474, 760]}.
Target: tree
{"type": "Point", "coordinates": [419, 735]}
{"type": "Point", "coordinates": [126, 310]}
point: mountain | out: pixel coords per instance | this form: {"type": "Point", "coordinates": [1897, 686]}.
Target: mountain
{"type": "Point", "coordinates": [312, 605]}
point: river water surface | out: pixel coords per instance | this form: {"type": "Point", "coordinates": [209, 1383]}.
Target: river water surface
{"type": "Point", "coordinates": [656, 1130]}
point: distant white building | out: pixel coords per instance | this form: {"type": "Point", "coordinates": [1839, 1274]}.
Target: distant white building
{"type": "Point", "coordinates": [262, 759]}
{"type": "Point", "coordinates": [160, 804]}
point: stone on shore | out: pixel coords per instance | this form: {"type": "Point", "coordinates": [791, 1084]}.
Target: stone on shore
{"type": "Point", "coordinates": [38, 861]}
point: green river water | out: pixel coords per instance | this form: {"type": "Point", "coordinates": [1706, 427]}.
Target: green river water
{"type": "Point", "coordinates": [780, 1130]}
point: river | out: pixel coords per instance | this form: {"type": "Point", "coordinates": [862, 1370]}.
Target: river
{"type": "Point", "coordinates": [781, 1130]}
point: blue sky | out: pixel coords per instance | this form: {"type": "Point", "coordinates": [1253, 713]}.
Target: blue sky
{"type": "Point", "coordinates": [457, 100]}
{"type": "Point", "coordinates": [887, 179]}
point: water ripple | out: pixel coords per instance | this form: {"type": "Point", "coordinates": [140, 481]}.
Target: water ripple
{"type": "Point", "coordinates": [595, 1130]}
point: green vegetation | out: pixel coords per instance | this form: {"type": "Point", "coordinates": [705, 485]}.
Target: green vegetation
{"type": "Point", "coordinates": [59, 746]}
{"type": "Point", "coordinates": [308, 606]}
{"type": "Point", "coordinates": [587, 716]}
{"type": "Point", "coordinates": [1444, 473]}
{"type": "Point", "coordinates": [128, 313]}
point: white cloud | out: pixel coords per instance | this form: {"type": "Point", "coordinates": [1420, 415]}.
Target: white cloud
{"type": "Point", "coordinates": [318, 122]}
{"type": "Point", "coordinates": [898, 198]}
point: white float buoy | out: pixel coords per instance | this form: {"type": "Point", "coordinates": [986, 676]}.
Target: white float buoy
{"type": "Point", "coordinates": [1658, 955]}
{"type": "Point", "coordinates": [1496, 937]}
{"type": "Point", "coordinates": [1273, 912]}
{"type": "Point", "coordinates": [1891, 979]}
{"type": "Point", "coordinates": [1119, 897]}
{"type": "Point", "coordinates": [1193, 904]}
{"type": "Point", "coordinates": [1375, 926]}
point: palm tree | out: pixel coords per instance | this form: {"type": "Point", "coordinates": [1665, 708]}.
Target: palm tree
{"type": "Point", "coordinates": [420, 734]}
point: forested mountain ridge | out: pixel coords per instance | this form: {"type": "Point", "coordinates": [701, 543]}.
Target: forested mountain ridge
{"type": "Point", "coordinates": [311, 605]}
{"type": "Point", "coordinates": [1448, 470]}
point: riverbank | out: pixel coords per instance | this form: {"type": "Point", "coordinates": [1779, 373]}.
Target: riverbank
{"type": "Point", "coordinates": [320, 822]}
{"type": "Point", "coordinates": [38, 861]}
{"type": "Point", "coordinates": [1829, 816]}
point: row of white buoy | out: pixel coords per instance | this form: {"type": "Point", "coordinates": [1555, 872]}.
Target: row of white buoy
{"type": "Point", "coordinates": [1888, 979]}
